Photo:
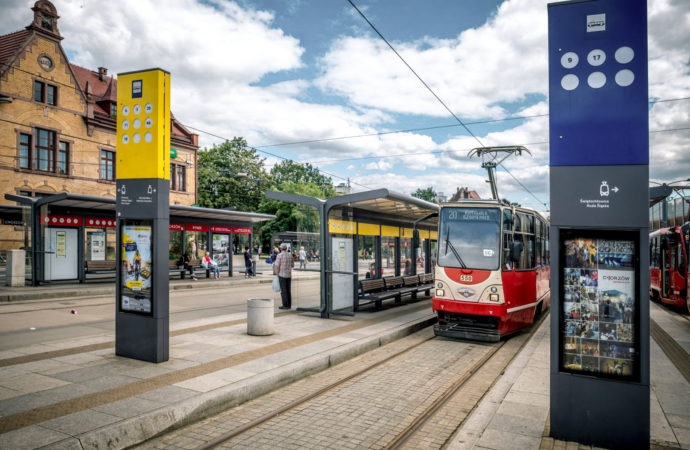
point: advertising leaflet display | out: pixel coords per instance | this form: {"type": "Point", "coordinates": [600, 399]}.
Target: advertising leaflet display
{"type": "Point", "coordinates": [599, 306]}
{"type": "Point", "coordinates": [136, 266]}
{"type": "Point", "coordinates": [95, 245]}
{"type": "Point", "coordinates": [221, 244]}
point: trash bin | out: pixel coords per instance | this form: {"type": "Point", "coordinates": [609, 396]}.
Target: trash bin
{"type": "Point", "coordinates": [260, 316]}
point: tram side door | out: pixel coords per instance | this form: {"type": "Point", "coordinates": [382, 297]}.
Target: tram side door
{"type": "Point", "coordinates": [60, 254]}
{"type": "Point", "coordinates": [665, 265]}
{"type": "Point", "coordinates": [678, 266]}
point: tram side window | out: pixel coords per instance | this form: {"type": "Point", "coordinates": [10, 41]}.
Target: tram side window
{"type": "Point", "coordinates": [540, 242]}
{"type": "Point", "coordinates": [546, 246]}
{"type": "Point", "coordinates": [507, 238]}
{"type": "Point", "coordinates": [526, 236]}
{"type": "Point", "coordinates": [681, 262]}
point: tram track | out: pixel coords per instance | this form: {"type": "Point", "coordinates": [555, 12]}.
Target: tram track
{"type": "Point", "coordinates": [485, 355]}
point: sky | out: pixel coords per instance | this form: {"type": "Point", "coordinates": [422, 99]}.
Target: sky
{"type": "Point", "coordinates": [309, 80]}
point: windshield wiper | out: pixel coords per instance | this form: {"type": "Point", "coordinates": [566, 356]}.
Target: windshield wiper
{"type": "Point", "coordinates": [455, 252]}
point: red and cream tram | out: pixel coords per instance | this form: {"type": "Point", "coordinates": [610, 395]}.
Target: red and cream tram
{"type": "Point", "coordinates": [668, 266]}
{"type": "Point", "coordinates": [492, 272]}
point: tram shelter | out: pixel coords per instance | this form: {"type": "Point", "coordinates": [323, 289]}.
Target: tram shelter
{"type": "Point", "coordinates": [70, 236]}
{"type": "Point", "coordinates": [369, 234]}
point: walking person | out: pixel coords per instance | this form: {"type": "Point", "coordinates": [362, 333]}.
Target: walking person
{"type": "Point", "coordinates": [302, 258]}
{"type": "Point", "coordinates": [247, 262]}
{"type": "Point", "coordinates": [283, 266]}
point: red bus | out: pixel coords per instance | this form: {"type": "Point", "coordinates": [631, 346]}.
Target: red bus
{"type": "Point", "coordinates": [492, 269]}
{"type": "Point", "coordinates": [668, 266]}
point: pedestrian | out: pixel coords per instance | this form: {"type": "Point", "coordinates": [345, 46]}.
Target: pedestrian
{"type": "Point", "coordinates": [186, 263]}
{"type": "Point", "coordinates": [283, 267]}
{"type": "Point", "coordinates": [208, 263]}
{"type": "Point", "coordinates": [247, 262]}
{"type": "Point", "coordinates": [302, 258]}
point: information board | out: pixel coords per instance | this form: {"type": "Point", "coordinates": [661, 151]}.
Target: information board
{"type": "Point", "coordinates": [136, 266]}
{"type": "Point", "coordinates": [599, 304]}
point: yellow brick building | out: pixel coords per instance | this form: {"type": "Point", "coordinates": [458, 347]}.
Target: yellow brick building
{"type": "Point", "coordinates": [57, 124]}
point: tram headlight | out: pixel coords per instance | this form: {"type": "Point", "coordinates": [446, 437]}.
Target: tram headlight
{"type": "Point", "coordinates": [494, 289]}
{"type": "Point", "coordinates": [493, 297]}
{"type": "Point", "coordinates": [439, 285]}
{"type": "Point", "coordinates": [440, 293]}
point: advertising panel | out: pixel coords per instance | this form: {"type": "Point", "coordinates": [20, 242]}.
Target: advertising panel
{"type": "Point", "coordinates": [599, 305]}
{"type": "Point", "coordinates": [95, 245]}
{"type": "Point", "coordinates": [136, 266]}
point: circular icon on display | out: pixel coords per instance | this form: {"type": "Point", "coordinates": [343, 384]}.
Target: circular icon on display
{"type": "Point", "coordinates": [136, 138]}
{"type": "Point", "coordinates": [625, 78]}
{"type": "Point", "coordinates": [136, 124]}
{"type": "Point", "coordinates": [569, 60]}
{"type": "Point", "coordinates": [596, 57]}
{"type": "Point", "coordinates": [125, 124]}
{"type": "Point", "coordinates": [125, 110]}
{"type": "Point", "coordinates": [624, 55]}
{"type": "Point", "coordinates": [148, 108]}
{"type": "Point", "coordinates": [596, 80]}
{"type": "Point", "coordinates": [148, 123]}
{"type": "Point", "coordinates": [148, 137]}
{"type": "Point", "coordinates": [136, 109]}
{"type": "Point", "coordinates": [125, 139]}
{"type": "Point", "coordinates": [570, 82]}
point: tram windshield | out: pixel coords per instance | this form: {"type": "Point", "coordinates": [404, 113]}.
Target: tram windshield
{"type": "Point", "coordinates": [469, 238]}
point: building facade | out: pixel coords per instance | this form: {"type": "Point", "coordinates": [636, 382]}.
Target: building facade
{"type": "Point", "coordinates": [58, 123]}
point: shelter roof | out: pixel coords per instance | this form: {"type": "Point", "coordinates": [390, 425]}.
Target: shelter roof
{"type": "Point", "coordinates": [107, 204]}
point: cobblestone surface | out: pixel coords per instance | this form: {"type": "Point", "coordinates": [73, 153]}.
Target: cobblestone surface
{"type": "Point", "coordinates": [368, 411]}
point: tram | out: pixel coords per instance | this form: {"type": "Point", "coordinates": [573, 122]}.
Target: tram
{"type": "Point", "coordinates": [492, 270]}
{"type": "Point", "coordinates": [668, 266]}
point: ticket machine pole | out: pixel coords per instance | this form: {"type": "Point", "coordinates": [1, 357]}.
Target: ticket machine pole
{"type": "Point", "coordinates": [599, 171]}
{"type": "Point", "coordinates": [143, 215]}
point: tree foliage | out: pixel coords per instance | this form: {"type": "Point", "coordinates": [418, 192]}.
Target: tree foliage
{"type": "Point", "coordinates": [427, 194]}
{"type": "Point", "coordinates": [232, 175]}
{"type": "Point", "coordinates": [290, 171]}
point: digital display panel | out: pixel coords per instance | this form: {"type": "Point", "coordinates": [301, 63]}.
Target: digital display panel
{"type": "Point", "coordinates": [136, 266]}
{"type": "Point", "coordinates": [599, 305]}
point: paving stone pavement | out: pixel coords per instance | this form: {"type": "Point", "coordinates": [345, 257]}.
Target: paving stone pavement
{"type": "Point", "coordinates": [366, 412]}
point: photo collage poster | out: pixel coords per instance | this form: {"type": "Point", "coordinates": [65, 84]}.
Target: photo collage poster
{"type": "Point", "coordinates": [136, 267]}
{"type": "Point", "coordinates": [599, 307]}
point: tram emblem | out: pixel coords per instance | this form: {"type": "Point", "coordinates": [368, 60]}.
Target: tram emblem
{"type": "Point", "coordinates": [466, 292]}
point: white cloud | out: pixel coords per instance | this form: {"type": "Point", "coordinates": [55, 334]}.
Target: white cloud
{"type": "Point", "coordinates": [501, 61]}
{"type": "Point", "coordinates": [381, 164]}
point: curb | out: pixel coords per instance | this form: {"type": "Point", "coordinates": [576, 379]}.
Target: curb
{"type": "Point", "coordinates": [136, 430]}
{"type": "Point", "coordinates": [94, 291]}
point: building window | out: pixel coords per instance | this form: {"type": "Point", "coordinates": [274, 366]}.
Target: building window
{"type": "Point", "coordinates": [44, 158]}
{"type": "Point", "coordinates": [178, 177]}
{"type": "Point", "coordinates": [24, 150]}
{"type": "Point", "coordinates": [45, 93]}
{"type": "Point", "coordinates": [63, 158]}
{"type": "Point", "coordinates": [107, 165]}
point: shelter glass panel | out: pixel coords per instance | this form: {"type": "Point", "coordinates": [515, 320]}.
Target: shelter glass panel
{"type": "Point", "coordinates": [387, 255]}
{"type": "Point", "coordinates": [406, 256]}
{"type": "Point", "coordinates": [240, 241]}
{"type": "Point", "coordinates": [366, 257]}
{"type": "Point", "coordinates": [175, 245]}
{"type": "Point", "coordinates": [306, 288]}
{"type": "Point", "coordinates": [221, 244]}
{"type": "Point", "coordinates": [421, 257]}
{"type": "Point", "coordinates": [197, 244]}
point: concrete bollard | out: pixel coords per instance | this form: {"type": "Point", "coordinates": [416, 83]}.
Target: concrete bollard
{"type": "Point", "coordinates": [260, 316]}
{"type": "Point", "coordinates": [15, 270]}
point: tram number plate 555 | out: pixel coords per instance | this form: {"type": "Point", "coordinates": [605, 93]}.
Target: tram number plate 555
{"type": "Point", "coordinates": [465, 277]}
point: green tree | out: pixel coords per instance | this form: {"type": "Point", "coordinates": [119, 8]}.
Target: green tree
{"type": "Point", "coordinates": [232, 175]}
{"type": "Point", "coordinates": [427, 194]}
{"type": "Point", "coordinates": [290, 171]}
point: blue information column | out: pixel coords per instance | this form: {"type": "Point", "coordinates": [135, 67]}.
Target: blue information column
{"type": "Point", "coordinates": [599, 133]}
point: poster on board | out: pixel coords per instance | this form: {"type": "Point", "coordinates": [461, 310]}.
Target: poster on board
{"type": "Point", "coordinates": [95, 245]}
{"type": "Point", "coordinates": [136, 267]}
{"type": "Point", "coordinates": [599, 307]}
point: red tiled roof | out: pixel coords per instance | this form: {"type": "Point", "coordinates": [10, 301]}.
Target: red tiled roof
{"type": "Point", "coordinates": [10, 43]}
{"type": "Point", "coordinates": [101, 90]}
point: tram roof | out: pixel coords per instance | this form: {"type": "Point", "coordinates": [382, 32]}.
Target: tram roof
{"type": "Point", "coordinates": [107, 204]}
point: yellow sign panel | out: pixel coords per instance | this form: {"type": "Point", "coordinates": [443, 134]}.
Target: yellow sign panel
{"type": "Point", "coordinates": [423, 234]}
{"type": "Point", "coordinates": [342, 226]}
{"type": "Point", "coordinates": [406, 232]}
{"type": "Point", "coordinates": [368, 229]}
{"type": "Point", "coordinates": [390, 231]}
{"type": "Point", "coordinates": [143, 125]}
{"type": "Point", "coordinates": [433, 235]}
